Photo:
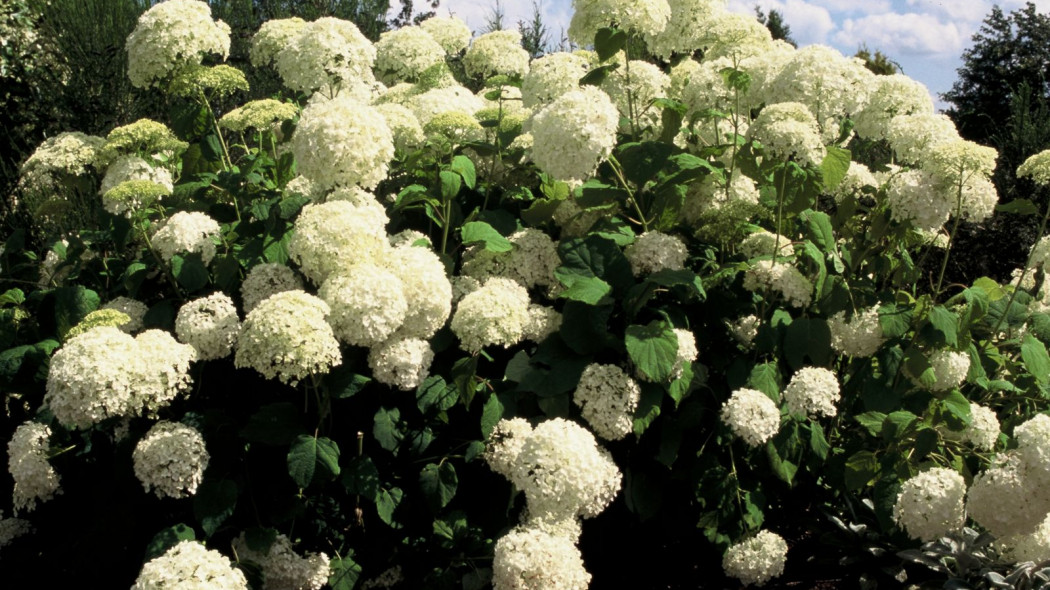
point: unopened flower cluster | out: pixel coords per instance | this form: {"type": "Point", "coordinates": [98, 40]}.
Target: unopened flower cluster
{"type": "Point", "coordinates": [27, 462]}
{"type": "Point", "coordinates": [170, 460]}
{"type": "Point", "coordinates": [187, 566]}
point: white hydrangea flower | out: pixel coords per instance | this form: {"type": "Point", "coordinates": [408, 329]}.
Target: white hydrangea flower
{"type": "Point", "coordinates": [531, 262]}
{"type": "Point", "coordinates": [607, 398]}
{"type": "Point", "coordinates": [426, 288]}
{"type": "Point", "coordinates": [950, 368]}
{"type": "Point", "coordinates": [764, 67]}
{"type": "Point", "coordinates": [68, 153]}
{"type": "Point", "coordinates": [283, 568]}
{"type": "Point", "coordinates": [1033, 547]}
{"type": "Point", "coordinates": [783, 278]}
{"type": "Point", "coordinates": [551, 76]}
{"type": "Point", "coordinates": [343, 141]}
{"type": "Point", "coordinates": [543, 321]}
{"type": "Point", "coordinates": [404, 126]}
{"type": "Point", "coordinates": [27, 462]}
{"type": "Point", "coordinates": [187, 232]}
{"type": "Point", "coordinates": [654, 251]}
{"type": "Point", "coordinates": [858, 177]}
{"type": "Point", "coordinates": [788, 130]}
{"type": "Point", "coordinates": [564, 473]}
{"type": "Point", "coordinates": [331, 237]}
{"type": "Point", "coordinates": [686, 354]}
{"type": "Point", "coordinates": [286, 336]}
{"type": "Point", "coordinates": [12, 528]}
{"type": "Point", "coordinates": [495, 314]}
{"type": "Point", "coordinates": [686, 28]}
{"type": "Point", "coordinates": [861, 336]}
{"type": "Point", "coordinates": [745, 328]}
{"type": "Point", "coordinates": [273, 36]}
{"type": "Point", "coordinates": [210, 325]}
{"type": "Point", "coordinates": [528, 558]}
{"type": "Point", "coordinates": [170, 460]}
{"type": "Point", "coordinates": [734, 35]}
{"type": "Point", "coordinates": [1033, 441]}
{"type": "Point", "coordinates": [762, 243]}
{"type": "Point", "coordinates": [127, 168]}
{"type": "Point", "coordinates": [170, 36]}
{"type": "Point", "coordinates": [892, 96]}
{"type": "Point", "coordinates": [592, 116]}
{"type": "Point", "coordinates": [831, 85]}
{"type": "Point", "coordinates": [402, 363]}
{"type": "Point", "coordinates": [930, 504]}
{"type": "Point", "coordinates": [166, 367]}
{"type": "Point", "coordinates": [452, 33]}
{"type": "Point", "coordinates": [189, 566]}
{"type": "Point", "coordinates": [912, 136]}
{"type": "Point", "coordinates": [404, 54]}
{"type": "Point", "coordinates": [645, 83]}
{"type": "Point", "coordinates": [813, 391]}
{"type": "Point", "coordinates": [496, 53]}
{"type": "Point", "coordinates": [505, 444]}
{"type": "Point", "coordinates": [267, 279]}
{"type": "Point", "coordinates": [448, 99]}
{"type": "Point", "coordinates": [368, 304]}
{"type": "Point", "coordinates": [916, 196]}
{"type": "Point", "coordinates": [757, 560]}
{"type": "Point", "coordinates": [326, 52]}
{"type": "Point", "coordinates": [645, 17]}
{"type": "Point", "coordinates": [751, 415]}
{"type": "Point", "coordinates": [1002, 500]}
{"type": "Point", "coordinates": [983, 430]}
{"type": "Point", "coordinates": [134, 309]}
{"type": "Point", "coordinates": [1037, 168]}
{"type": "Point", "coordinates": [701, 85]}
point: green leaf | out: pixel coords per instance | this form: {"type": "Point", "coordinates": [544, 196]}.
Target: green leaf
{"type": "Point", "coordinates": [343, 383]}
{"type": "Point", "coordinates": [213, 503]}
{"type": "Point", "coordinates": [313, 460]}
{"type": "Point", "coordinates": [386, 503]}
{"type": "Point", "coordinates": [361, 477]}
{"type": "Point", "coordinates": [872, 421]}
{"type": "Point", "coordinates": [479, 231]}
{"type": "Point", "coordinates": [594, 256]}
{"type": "Point", "coordinates": [642, 161]}
{"type": "Point", "coordinates": [945, 326]}
{"type": "Point", "coordinates": [491, 413]}
{"type": "Point", "coordinates": [386, 428]}
{"type": "Point", "coordinates": [589, 290]}
{"type": "Point", "coordinates": [465, 168]}
{"type": "Point", "coordinates": [608, 41]}
{"type": "Point", "coordinates": [648, 408]}
{"type": "Point", "coordinates": [989, 286]}
{"type": "Point", "coordinates": [653, 349]}
{"type": "Point", "coordinates": [957, 410]}
{"type": "Point", "coordinates": [450, 184]}
{"type": "Point", "coordinates": [12, 297]}
{"type": "Point", "coordinates": [168, 538]}
{"type": "Point", "coordinates": [766, 378]}
{"type": "Point", "coordinates": [818, 443]}
{"type": "Point", "coordinates": [897, 424]}
{"type": "Point", "coordinates": [274, 424]}
{"type": "Point", "coordinates": [72, 304]}
{"type": "Point", "coordinates": [439, 483]}
{"type": "Point", "coordinates": [435, 395]}
{"type": "Point", "coordinates": [894, 321]}
{"type": "Point", "coordinates": [807, 338]}
{"type": "Point", "coordinates": [343, 573]}
{"type": "Point", "coordinates": [861, 469]}
{"type": "Point", "coordinates": [260, 539]}
{"type": "Point", "coordinates": [820, 230]}
{"type": "Point", "coordinates": [189, 271]}
{"type": "Point", "coordinates": [782, 467]}
{"type": "Point", "coordinates": [598, 75]}
{"type": "Point", "coordinates": [835, 165]}
{"type": "Point", "coordinates": [1035, 357]}
{"type": "Point", "coordinates": [1019, 207]}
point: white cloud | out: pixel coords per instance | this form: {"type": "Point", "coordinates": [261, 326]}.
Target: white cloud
{"type": "Point", "coordinates": [853, 6]}
{"type": "Point", "coordinates": [898, 34]}
{"type": "Point", "coordinates": [809, 22]}
{"type": "Point", "coordinates": [956, 10]}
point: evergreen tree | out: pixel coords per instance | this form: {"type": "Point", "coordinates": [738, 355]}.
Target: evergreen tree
{"type": "Point", "coordinates": [774, 21]}
{"type": "Point", "coordinates": [878, 62]}
{"type": "Point", "coordinates": [535, 37]}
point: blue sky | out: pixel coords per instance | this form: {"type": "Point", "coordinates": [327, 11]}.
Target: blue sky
{"type": "Point", "coordinates": [926, 37]}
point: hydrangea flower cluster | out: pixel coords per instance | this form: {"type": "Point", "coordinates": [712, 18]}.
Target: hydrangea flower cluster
{"type": "Point", "coordinates": [404, 126]}
{"type": "Point", "coordinates": [646, 17]}
{"type": "Point", "coordinates": [788, 130]}
{"type": "Point", "coordinates": [915, 196]}
{"type": "Point", "coordinates": [187, 232]}
{"type": "Point", "coordinates": [655, 251]}
{"type": "Point", "coordinates": [273, 36]}
{"type": "Point", "coordinates": [607, 398]}
{"type": "Point", "coordinates": [930, 504]}
{"type": "Point", "coordinates": [452, 33]}
{"type": "Point", "coordinates": [745, 329]}
{"type": "Point", "coordinates": [368, 304]}
{"type": "Point", "coordinates": [170, 460]}
{"type": "Point", "coordinates": [35, 478]}
{"type": "Point", "coordinates": [342, 142]}
{"type": "Point", "coordinates": [134, 309]}
{"type": "Point", "coordinates": [892, 96]}
{"type": "Point", "coordinates": [401, 362]}
{"type": "Point", "coordinates": [1037, 168]}
{"type": "Point", "coordinates": [132, 167]}
{"type": "Point", "coordinates": [187, 566]}
{"type": "Point", "coordinates": [283, 568]}
{"type": "Point", "coordinates": [267, 279]}
{"type": "Point", "coordinates": [495, 314]}
{"type": "Point", "coordinates": [326, 52]}
{"type": "Point", "coordinates": [860, 336]}
{"type": "Point", "coordinates": [210, 325]}
{"type": "Point", "coordinates": [982, 431]}
{"type": "Point", "coordinates": [751, 415]}
{"type": "Point", "coordinates": [592, 116]}
{"type": "Point", "coordinates": [287, 336]}
{"type": "Point", "coordinates": [496, 53]}
{"type": "Point", "coordinates": [258, 114]}
{"type": "Point", "coordinates": [950, 368]}
{"type": "Point", "coordinates": [427, 290]}
{"type": "Point", "coordinates": [813, 391]}
{"type": "Point", "coordinates": [782, 278]}
{"type": "Point", "coordinates": [830, 85]}
{"type": "Point", "coordinates": [333, 236]}
{"type": "Point", "coordinates": [530, 262]}
{"type": "Point", "coordinates": [12, 528]}
{"type": "Point", "coordinates": [643, 83]}
{"type": "Point", "coordinates": [762, 243]}
{"type": "Point", "coordinates": [551, 76]}
{"type": "Point", "coordinates": [170, 36]}
{"type": "Point", "coordinates": [404, 54]}
{"type": "Point", "coordinates": [144, 137]}
{"type": "Point", "coordinates": [528, 558]}
{"type": "Point", "coordinates": [757, 560]}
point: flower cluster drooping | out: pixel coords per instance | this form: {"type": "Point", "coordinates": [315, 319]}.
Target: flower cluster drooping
{"type": "Point", "coordinates": [27, 462]}
{"type": "Point", "coordinates": [170, 460]}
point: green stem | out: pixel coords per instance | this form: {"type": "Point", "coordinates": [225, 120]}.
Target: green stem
{"type": "Point", "coordinates": [780, 211]}
{"type": "Point", "coordinates": [1024, 271]}
{"type": "Point", "coordinates": [951, 241]}
{"type": "Point", "coordinates": [617, 169]}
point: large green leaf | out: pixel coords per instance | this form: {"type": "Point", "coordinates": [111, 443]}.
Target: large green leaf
{"type": "Point", "coordinates": [1035, 357]}
{"type": "Point", "coordinates": [313, 460]}
{"type": "Point", "coordinates": [435, 395]}
{"type": "Point", "coordinates": [653, 349]}
{"type": "Point", "coordinates": [807, 338]}
{"type": "Point", "coordinates": [361, 477]}
{"type": "Point", "coordinates": [835, 165]}
{"type": "Point", "coordinates": [463, 166]}
{"type": "Point", "coordinates": [944, 327]}
{"type": "Point", "coordinates": [594, 256]}
{"type": "Point", "coordinates": [608, 41]}
{"type": "Point", "coordinates": [386, 427]}
{"type": "Point", "coordinates": [168, 538]}
{"type": "Point", "coordinates": [589, 290]}
{"type": "Point", "coordinates": [343, 573]}
{"type": "Point", "coordinates": [491, 413]}
{"type": "Point", "coordinates": [72, 304]}
{"type": "Point", "coordinates": [480, 232]}
{"type": "Point", "coordinates": [387, 502]}
{"type": "Point", "coordinates": [439, 483]}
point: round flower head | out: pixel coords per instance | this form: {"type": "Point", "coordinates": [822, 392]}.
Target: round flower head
{"type": "Point", "coordinates": [686, 27]}
{"type": "Point", "coordinates": [401, 363]}
{"type": "Point", "coordinates": [914, 196]}
{"type": "Point", "coordinates": [368, 304]}
{"type": "Point", "coordinates": [955, 162]}
{"type": "Point", "coordinates": [267, 279]}
{"type": "Point", "coordinates": [283, 568]}
{"type": "Point", "coordinates": [745, 329]}
{"type": "Point", "coordinates": [188, 566]}
{"type": "Point", "coordinates": [495, 314]}
{"type": "Point", "coordinates": [734, 35]}
{"type": "Point", "coordinates": [756, 560]}
{"type": "Point", "coordinates": [331, 237]}
{"type": "Point", "coordinates": [751, 415]}
{"type": "Point", "coordinates": [144, 137]}
{"type": "Point", "coordinates": [574, 133]}
{"type": "Point", "coordinates": [258, 114]}
{"type": "Point", "coordinates": [762, 243]}
{"type": "Point", "coordinates": [530, 262]}
{"type": "Point", "coordinates": [187, 232]}
{"type": "Point", "coordinates": [68, 153]}
{"type": "Point", "coordinates": [286, 336]}
{"type": "Point", "coordinates": [783, 278]}
{"type": "Point", "coordinates": [655, 251]}
{"type": "Point", "coordinates": [35, 479]}
{"type": "Point", "coordinates": [788, 130]}
{"type": "Point", "coordinates": [950, 368]}
{"type": "Point", "coordinates": [496, 53]}
{"type": "Point", "coordinates": [426, 288]}
{"type": "Point", "coordinates": [450, 32]}
{"type": "Point", "coordinates": [892, 96]}
{"type": "Point", "coordinates": [170, 36]}
{"type": "Point", "coordinates": [543, 321]}
{"type": "Point", "coordinates": [134, 195]}
{"type": "Point", "coordinates": [1033, 547]}
{"type": "Point", "coordinates": [326, 52]}
{"type": "Point", "coordinates": [170, 460]}
{"type": "Point", "coordinates": [551, 76]}
{"type": "Point", "coordinates": [166, 366]}
{"type": "Point", "coordinates": [830, 85]}
{"type": "Point", "coordinates": [645, 17]}
{"type": "Point", "coordinates": [505, 444]}
{"type": "Point", "coordinates": [404, 54]}
{"type": "Point", "coordinates": [564, 473]}
{"type": "Point", "coordinates": [812, 391]}
{"type": "Point", "coordinates": [273, 36]}
{"type": "Point", "coordinates": [858, 177]}
{"type": "Point", "coordinates": [930, 505]}
{"type": "Point", "coordinates": [404, 126]}
{"type": "Point", "coordinates": [1037, 168]}
{"type": "Point", "coordinates": [93, 377]}
{"type": "Point", "coordinates": [982, 431]}
{"type": "Point", "coordinates": [1033, 442]}
{"type": "Point", "coordinates": [912, 136]}
{"type": "Point", "coordinates": [528, 558]}
{"type": "Point", "coordinates": [135, 310]}
{"type": "Point", "coordinates": [13, 528]}
{"type": "Point", "coordinates": [427, 105]}
{"type": "Point", "coordinates": [220, 81]}
{"type": "Point", "coordinates": [343, 142]}
{"type": "Point", "coordinates": [607, 398]}
{"type": "Point", "coordinates": [644, 83]}
{"type": "Point", "coordinates": [1002, 499]}
{"type": "Point", "coordinates": [127, 168]}
{"type": "Point", "coordinates": [210, 325]}
{"type": "Point", "coordinates": [861, 336]}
